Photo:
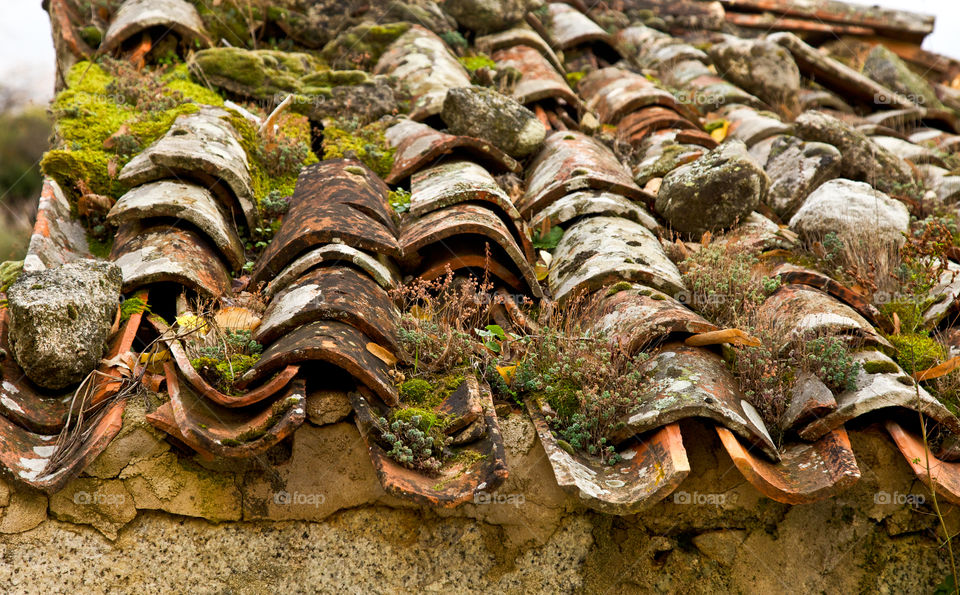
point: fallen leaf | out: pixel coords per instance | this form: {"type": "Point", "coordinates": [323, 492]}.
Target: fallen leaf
{"type": "Point", "coordinates": [382, 353]}
{"type": "Point", "coordinates": [733, 336]}
{"type": "Point", "coordinates": [896, 324]}
{"type": "Point", "coordinates": [939, 370]}
{"type": "Point", "coordinates": [506, 372]}
{"type": "Point", "coordinates": [719, 129]}
{"type": "Point", "coordinates": [154, 361]}
{"type": "Point", "coordinates": [237, 318]}
{"type": "Point", "coordinates": [421, 313]}
{"type": "Point", "coordinates": [541, 270]}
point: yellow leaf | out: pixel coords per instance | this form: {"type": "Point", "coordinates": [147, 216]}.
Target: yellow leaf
{"type": "Point", "coordinates": [382, 353]}
{"type": "Point", "coordinates": [734, 336]}
{"type": "Point", "coordinates": [720, 132]}
{"type": "Point", "coordinates": [236, 318]}
{"type": "Point", "coordinates": [420, 313]}
{"type": "Point", "coordinates": [154, 361]}
{"type": "Point", "coordinates": [192, 323]}
{"type": "Point", "coordinates": [542, 271]}
{"type": "Point", "coordinates": [939, 370]}
{"type": "Point", "coordinates": [506, 372]}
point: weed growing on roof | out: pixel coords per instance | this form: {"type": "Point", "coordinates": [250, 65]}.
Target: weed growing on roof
{"type": "Point", "coordinates": [476, 62]}
{"type": "Point", "coordinates": [131, 306]}
{"type": "Point", "coordinates": [829, 358]}
{"type": "Point", "coordinates": [416, 439]}
{"type": "Point", "coordinates": [345, 138]}
{"type": "Point", "coordinates": [399, 200]}
{"type": "Point", "coordinates": [220, 355]}
{"type": "Point", "coordinates": [548, 241]}
{"type": "Point", "coordinates": [724, 282]}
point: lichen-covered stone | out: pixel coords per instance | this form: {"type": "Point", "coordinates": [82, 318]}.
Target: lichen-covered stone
{"type": "Point", "coordinates": [862, 159]}
{"type": "Point", "coordinates": [796, 168]}
{"type": "Point", "coordinates": [60, 320]}
{"type": "Point", "coordinates": [760, 67]}
{"type": "Point", "coordinates": [486, 114]}
{"type": "Point", "coordinates": [487, 16]}
{"type": "Point", "coordinates": [852, 210]}
{"type": "Point", "coordinates": [885, 67]}
{"type": "Point", "coordinates": [713, 192]}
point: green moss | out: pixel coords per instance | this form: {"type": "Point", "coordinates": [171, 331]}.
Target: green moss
{"type": "Point", "coordinates": [335, 78]}
{"type": "Point", "coordinates": [474, 63]}
{"type": "Point", "coordinates": [257, 73]}
{"type": "Point", "coordinates": [429, 420]}
{"type": "Point", "coordinates": [618, 287]}
{"type": "Point", "coordinates": [179, 80]}
{"type": "Point", "coordinates": [9, 272]}
{"type": "Point", "coordinates": [880, 367]}
{"type": "Point", "coordinates": [416, 391]}
{"type": "Point", "coordinates": [573, 78]}
{"type": "Point", "coordinates": [361, 46]}
{"type": "Point", "coordinates": [917, 351]}
{"type": "Point", "coordinates": [366, 143]}
{"type": "Point", "coordinates": [908, 311]}
{"type": "Point", "coordinates": [132, 306]}
{"type": "Point", "coordinates": [222, 372]}
{"type": "Point", "coordinates": [92, 35]}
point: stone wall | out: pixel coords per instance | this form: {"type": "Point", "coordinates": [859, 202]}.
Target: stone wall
{"type": "Point", "coordinates": [312, 516]}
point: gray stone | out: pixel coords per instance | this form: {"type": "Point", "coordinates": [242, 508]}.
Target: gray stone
{"type": "Point", "coordinates": [760, 67]}
{"type": "Point", "coordinates": [852, 210]}
{"type": "Point", "coordinates": [888, 69]}
{"type": "Point", "coordinates": [327, 406]}
{"type": "Point", "coordinates": [486, 114]}
{"type": "Point", "coordinates": [487, 16]}
{"type": "Point", "coordinates": [796, 168]}
{"type": "Point", "coordinates": [720, 546]}
{"type": "Point", "coordinates": [863, 159]}
{"type": "Point", "coordinates": [714, 191]}
{"type": "Point", "coordinates": [60, 320]}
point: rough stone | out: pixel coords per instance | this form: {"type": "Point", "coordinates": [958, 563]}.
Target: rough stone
{"type": "Point", "coordinates": [60, 320]}
{"type": "Point", "coordinates": [486, 114]}
{"type": "Point", "coordinates": [720, 546]}
{"type": "Point", "coordinates": [850, 210]}
{"type": "Point", "coordinates": [760, 67]}
{"type": "Point", "coordinates": [487, 16]}
{"type": "Point", "coordinates": [713, 192]}
{"type": "Point", "coordinates": [796, 168]}
{"type": "Point", "coordinates": [107, 505]}
{"type": "Point", "coordinates": [137, 441]}
{"type": "Point", "coordinates": [863, 159]}
{"type": "Point", "coordinates": [180, 486]}
{"type": "Point", "coordinates": [327, 406]}
{"type": "Point", "coordinates": [25, 510]}
{"type": "Point", "coordinates": [885, 67]}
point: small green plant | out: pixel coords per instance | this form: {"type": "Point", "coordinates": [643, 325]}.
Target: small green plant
{"type": "Point", "coordinates": [549, 241]}
{"type": "Point", "coordinates": [416, 439]}
{"type": "Point", "coordinates": [131, 306]}
{"type": "Point", "coordinates": [347, 139]}
{"type": "Point", "coordinates": [725, 284]}
{"type": "Point", "coordinates": [829, 358]}
{"type": "Point", "coordinates": [399, 200]}
{"type": "Point", "coordinates": [917, 351]}
{"type": "Point", "coordinates": [475, 63]}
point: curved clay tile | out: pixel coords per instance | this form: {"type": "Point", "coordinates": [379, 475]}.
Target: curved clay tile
{"type": "Point", "coordinates": [906, 150]}
{"type": "Point", "coordinates": [888, 388]}
{"type": "Point", "coordinates": [809, 398]}
{"type": "Point", "coordinates": [795, 275]}
{"type": "Point", "coordinates": [200, 147]}
{"type": "Point", "coordinates": [648, 48]}
{"type": "Point", "coordinates": [250, 397]}
{"type": "Point", "coordinates": [457, 484]}
{"type": "Point", "coordinates": [599, 251]}
{"type": "Point", "coordinates": [636, 126]}
{"type": "Point", "coordinates": [336, 201]}
{"type": "Point", "coordinates": [806, 472]}
{"type": "Point", "coordinates": [57, 238]}
{"type": "Point", "coordinates": [382, 270]}
{"type": "Point", "coordinates": [570, 161]}
{"type": "Point", "coordinates": [449, 237]}
{"type": "Point", "coordinates": [593, 202]}
{"type": "Point", "coordinates": [180, 200]}
{"type": "Point", "coordinates": [425, 68]}
{"type": "Point", "coordinates": [663, 151]}
{"type": "Point", "coordinates": [946, 475]}
{"type": "Point", "coordinates": [806, 312]}
{"type": "Point", "coordinates": [651, 469]}
{"type": "Point", "coordinates": [232, 433]}
{"type": "Point", "coordinates": [419, 145]}
{"type": "Point", "coordinates": [457, 182]}
{"type": "Point", "coordinates": [540, 79]}
{"type": "Point", "coordinates": [758, 233]}
{"type": "Point", "coordinates": [636, 316]}
{"type": "Point", "coordinates": [816, 99]}
{"type": "Point", "coordinates": [704, 90]}
{"type": "Point", "coordinates": [750, 125]}
{"type": "Point", "coordinates": [27, 455]}
{"type": "Point", "coordinates": [329, 341]}
{"type": "Point", "coordinates": [614, 92]}
{"type": "Point", "coordinates": [331, 293]}
{"type": "Point", "coordinates": [567, 28]}
{"type": "Point", "coordinates": [695, 382]}
{"type": "Point", "coordinates": [163, 253]}
{"type": "Point", "coordinates": [135, 16]}
{"type": "Point", "coordinates": [488, 44]}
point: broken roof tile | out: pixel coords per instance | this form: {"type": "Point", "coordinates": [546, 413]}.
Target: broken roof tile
{"type": "Point", "coordinates": [57, 238]}
{"type": "Point", "coordinates": [136, 16]}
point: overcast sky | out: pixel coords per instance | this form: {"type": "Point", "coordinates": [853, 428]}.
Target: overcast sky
{"type": "Point", "coordinates": [27, 60]}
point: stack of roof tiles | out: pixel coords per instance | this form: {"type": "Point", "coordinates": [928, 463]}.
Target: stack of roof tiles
{"type": "Point", "coordinates": [340, 250]}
